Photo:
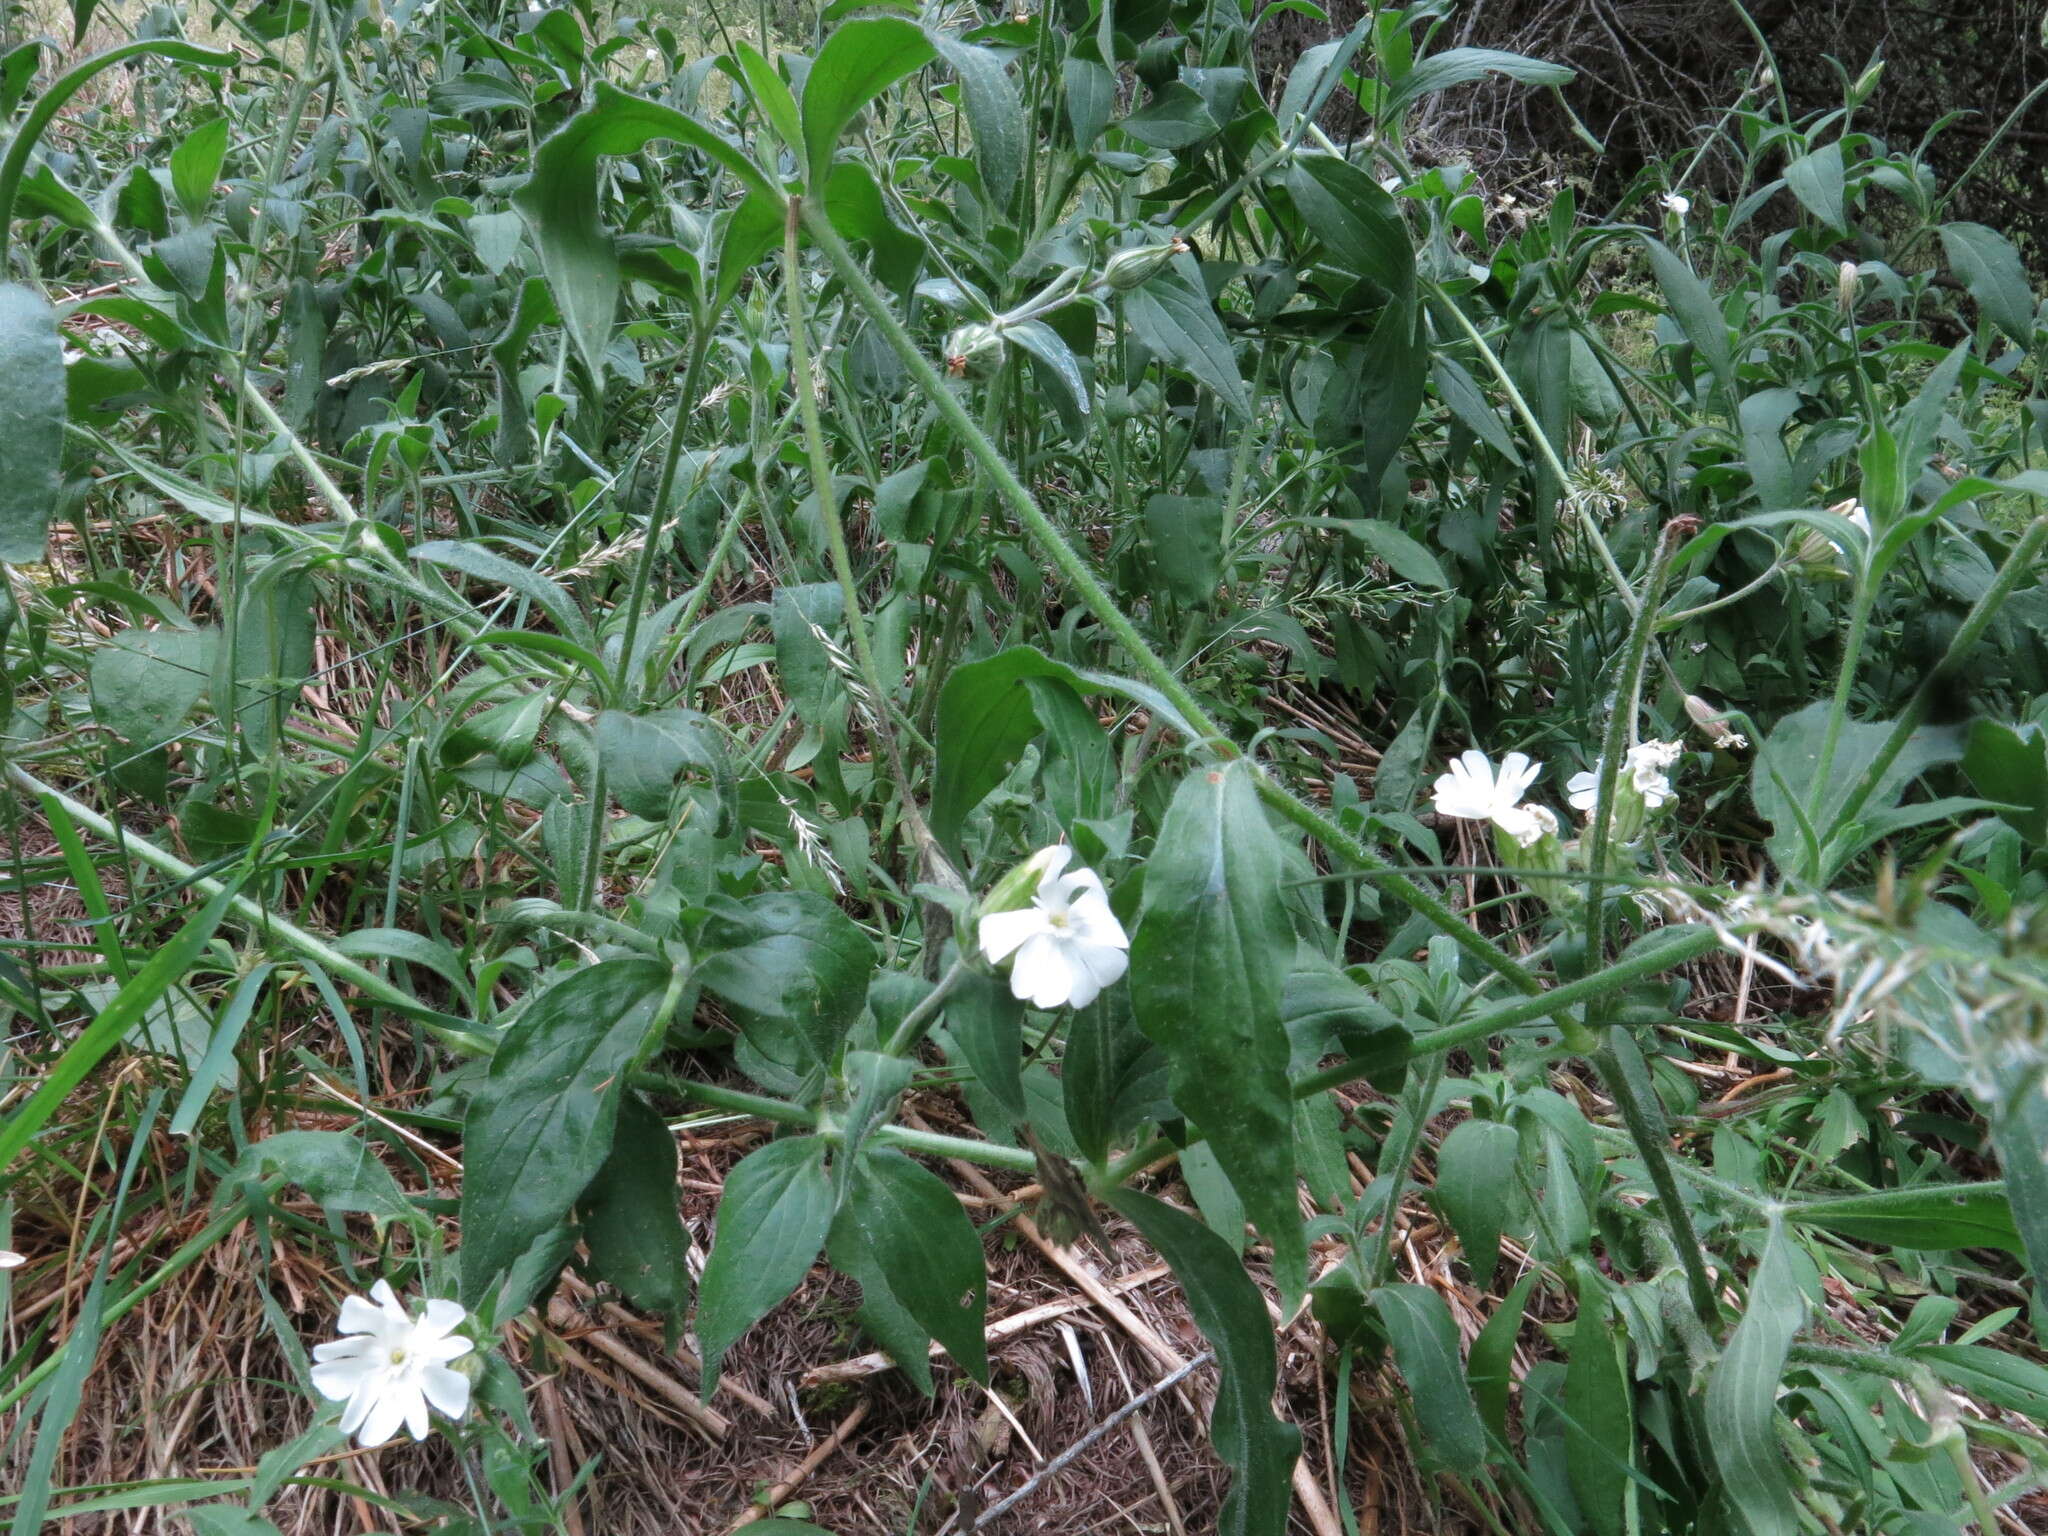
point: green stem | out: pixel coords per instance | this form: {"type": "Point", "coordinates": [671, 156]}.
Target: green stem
{"type": "Point", "coordinates": [782, 1112]}
{"type": "Point", "coordinates": [1535, 428]}
{"type": "Point", "coordinates": [1394, 1168]}
{"type": "Point", "coordinates": [1628, 1082]}
{"type": "Point", "coordinates": [931, 856]}
{"type": "Point", "coordinates": [921, 1018]}
{"type": "Point", "coordinates": [1845, 681]}
{"type": "Point", "coordinates": [1621, 728]}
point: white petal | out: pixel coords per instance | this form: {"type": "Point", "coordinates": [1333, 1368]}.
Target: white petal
{"type": "Point", "coordinates": [1583, 790]}
{"type": "Point", "coordinates": [11, 1260]}
{"type": "Point", "coordinates": [1092, 915]}
{"type": "Point", "coordinates": [417, 1419]}
{"type": "Point", "coordinates": [1517, 773]}
{"type": "Point", "coordinates": [337, 1380]}
{"type": "Point", "coordinates": [1040, 974]}
{"type": "Point", "coordinates": [386, 1412]}
{"type": "Point", "coordinates": [1048, 862]}
{"type": "Point", "coordinates": [454, 1347]}
{"type": "Point", "coordinates": [1002, 932]}
{"type": "Point", "coordinates": [447, 1390]}
{"type": "Point", "coordinates": [1475, 763]}
{"type": "Point", "coordinates": [1518, 822]}
{"type": "Point", "coordinates": [440, 1317]}
{"type": "Point", "coordinates": [358, 1409]}
{"type": "Point", "coordinates": [1103, 964]}
{"type": "Point", "coordinates": [361, 1316]}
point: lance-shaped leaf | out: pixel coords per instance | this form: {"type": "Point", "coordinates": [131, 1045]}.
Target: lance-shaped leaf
{"type": "Point", "coordinates": [1208, 971]}
{"type": "Point", "coordinates": [772, 1221]}
{"type": "Point", "coordinates": [32, 409]}
{"type": "Point", "coordinates": [540, 1127]}
{"type": "Point", "coordinates": [1742, 1396]}
{"type": "Point", "coordinates": [560, 202]}
{"type": "Point", "coordinates": [1231, 1313]}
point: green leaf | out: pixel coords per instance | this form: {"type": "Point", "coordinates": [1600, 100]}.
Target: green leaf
{"type": "Point", "coordinates": [788, 958]}
{"type": "Point", "coordinates": [1209, 967]}
{"type": "Point", "coordinates": [859, 61]}
{"type": "Point", "coordinates": [1936, 1216]}
{"type": "Point", "coordinates": [540, 1126]}
{"type": "Point", "coordinates": [1599, 1423]}
{"type": "Point", "coordinates": [2011, 767]}
{"type": "Point", "coordinates": [1175, 118]}
{"type": "Point", "coordinates": [1992, 1375]}
{"type": "Point", "coordinates": [1425, 1341]}
{"type": "Point", "coordinates": [1489, 1367]}
{"type": "Point", "coordinates": [632, 1223]}
{"type": "Point", "coordinates": [1405, 557]}
{"type": "Point", "coordinates": [1475, 1181]}
{"type": "Point", "coordinates": [1782, 783]}
{"type": "Point", "coordinates": [1991, 269]}
{"type": "Point", "coordinates": [334, 1167]}
{"type": "Point", "coordinates": [487, 565]}
{"type": "Point", "coordinates": [195, 166]}
{"type": "Point", "coordinates": [1187, 544]}
{"type": "Point", "coordinates": [995, 112]}
{"type": "Point", "coordinates": [560, 203]}
{"type": "Point", "coordinates": [1356, 219]}
{"type": "Point", "coordinates": [1694, 309]}
{"type": "Point", "coordinates": [146, 682]}
{"type": "Point", "coordinates": [1091, 99]}
{"type": "Point", "coordinates": [1741, 1406]}
{"type": "Point", "coordinates": [1172, 314]}
{"type": "Point", "coordinates": [986, 1022]}
{"type": "Point", "coordinates": [1059, 373]}
{"type": "Point", "coordinates": [1816, 180]}
{"type": "Point", "coordinates": [32, 406]}
{"type": "Point", "coordinates": [2020, 1137]}
{"type": "Point", "coordinates": [645, 756]}
{"type": "Point", "coordinates": [772, 1220]}
{"type": "Point", "coordinates": [985, 721]}
{"type": "Point", "coordinates": [1461, 66]}
{"type": "Point", "coordinates": [922, 1238]}
{"type": "Point", "coordinates": [771, 97]}
{"type": "Point", "coordinates": [1231, 1313]}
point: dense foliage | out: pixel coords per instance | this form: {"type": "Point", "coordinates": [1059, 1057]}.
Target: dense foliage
{"type": "Point", "coordinates": [580, 555]}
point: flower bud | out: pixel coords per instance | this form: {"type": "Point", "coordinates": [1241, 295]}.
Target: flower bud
{"type": "Point", "coordinates": [1713, 724]}
{"type": "Point", "coordinates": [1017, 888]}
{"type": "Point", "coordinates": [1134, 265]}
{"type": "Point", "coordinates": [1865, 84]}
{"type": "Point", "coordinates": [1811, 554]}
{"type": "Point", "coordinates": [1845, 287]}
{"type": "Point", "coordinates": [975, 347]}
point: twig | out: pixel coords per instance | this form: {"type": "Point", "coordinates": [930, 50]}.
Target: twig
{"type": "Point", "coordinates": [563, 1316]}
{"type": "Point", "coordinates": [780, 1492]}
{"type": "Point", "coordinates": [1003, 1328]}
{"type": "Point", "coordinates": [1158, 1388]}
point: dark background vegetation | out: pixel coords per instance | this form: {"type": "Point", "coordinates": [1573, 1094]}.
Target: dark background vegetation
{"type": "Point", "coordinates": [1655, 75]}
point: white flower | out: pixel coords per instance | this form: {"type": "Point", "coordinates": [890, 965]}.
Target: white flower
{"type": "Point", "coordinates": [10, 1260]}
{"type": "Point", "coordinates": [1473, 792]}
{"type": "Point", "coordinates": [1860, 518]}
{"type": "Point", "coordinates": [1677, 202]}
{"type": "Point", "coordinates": [391, 1366]}
{"type": "Point", "coordinates": [1067, 945]}
{"type": "Point", "coordinates": [1644, 767]}
{"type": "Point", "coordinates": [1542, 823]}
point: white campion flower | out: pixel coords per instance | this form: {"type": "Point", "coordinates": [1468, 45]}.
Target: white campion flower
{"type": "Point", "coordinates": [1067, 945]}
{"type": "Point", "coordinates": [391, 1366]}
{"type": "Point", "coordinates": [1473, 791]}
{"type": "Point", "coordinates": [1542, 823]}
{"type": "Point", "coordinates": [1677, 202]}
{"type": "Point", "coordinates": [1644, 768]}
